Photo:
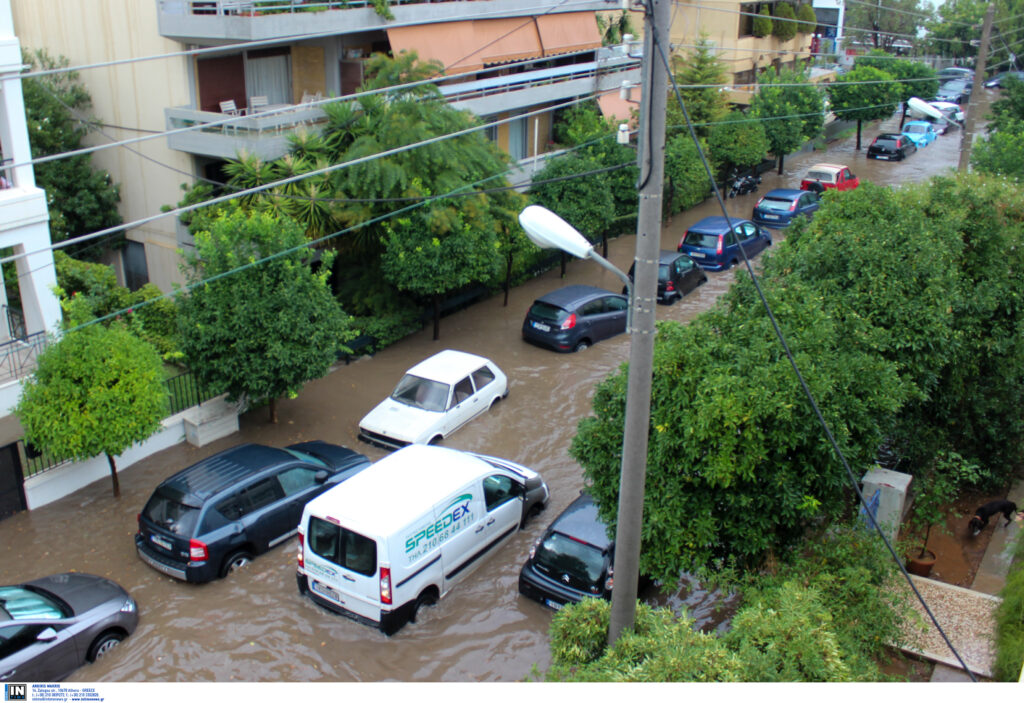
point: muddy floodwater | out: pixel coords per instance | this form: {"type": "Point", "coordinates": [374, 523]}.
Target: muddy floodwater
{"type": "Point", "coordinates": [254, 626]}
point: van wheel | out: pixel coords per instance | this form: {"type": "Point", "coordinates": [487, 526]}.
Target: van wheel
{"type": "Point", "coordinates": [102, 645]}
{"type": "Point", "coordinates": [426, 598]}
{"type": "Point", "coordinates": [235, 562]}
{"type": "Point", "coordinates": [581, 345]}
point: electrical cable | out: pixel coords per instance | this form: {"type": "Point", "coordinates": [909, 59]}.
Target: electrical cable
{"type": "Point", "coordinates": [803, 383]}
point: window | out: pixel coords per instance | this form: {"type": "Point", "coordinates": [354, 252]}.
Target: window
{"type": "Point", "coordinates": [166, 511]}
{"type": "Point", "coordinates": [296, 479]}
{"type": "Point", "coordinates": [615, 304]}
{"type": "Point", "coordinates": [463, 390]}
{"type": "Point", "coordinates": [343, 547]}
{"type": "Point", "coordinates": [19, 603]}
{"type": "Point", "coordinates": [684, 265]}
{"type": "Point", "coordinates": [482, 376]}
{"type": "Point", "coordinates": [498, 490]}
{"type": "Point", "coordinates": [14, 638]}
{"type": "Point", "coordinates": [573, 561]}
{"type": "Point", "coordinates": [730, 238]}
{"type": "Point", "coordinates": [747, 12]}
{"type": "Point", "coordinates": [421, 393]}
{"type": "Point", "coordinates": [594, 307]}
{"type": "Point", "coordinates": [262, 493]}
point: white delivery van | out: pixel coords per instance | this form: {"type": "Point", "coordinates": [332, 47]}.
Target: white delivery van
{"type": "Point", "coordinates": [402, 532]}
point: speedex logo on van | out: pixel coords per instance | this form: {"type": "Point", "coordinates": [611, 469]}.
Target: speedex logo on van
{"type": "Point", "coordinates": [453, 518]}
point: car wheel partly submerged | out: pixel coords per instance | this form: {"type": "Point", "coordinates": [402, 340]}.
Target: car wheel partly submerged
{"type": "Point", "coordinates": [235, 562]}
{"type": "Point", "coordinates": [581, 345]}
{"type": "Point", "coordinates": [102, 645]}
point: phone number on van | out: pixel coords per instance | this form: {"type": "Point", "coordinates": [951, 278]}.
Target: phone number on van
{"type": "Point", "coordinates": [455, 517]}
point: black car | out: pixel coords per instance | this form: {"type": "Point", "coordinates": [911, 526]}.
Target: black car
{"type": "Point", "coordinates": [1000, 79]}
{"type": "Point", "coordinates": [678, 275]}
{"type": "Point", "coordinates": [956, 91]}
{"type": "Point", "coordinates": [215, 516]}
{"type": "Point", "coordinates": [52, 625]}
{"type": "Point", "coordinates": [572, 318]}
{"type": "Point", "coordinates": [891, 147]}
{"type": "Point", "coordinates": [572, 560]}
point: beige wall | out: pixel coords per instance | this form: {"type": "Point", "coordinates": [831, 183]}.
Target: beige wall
{"type": "Point", "coordinates": [130, 96]}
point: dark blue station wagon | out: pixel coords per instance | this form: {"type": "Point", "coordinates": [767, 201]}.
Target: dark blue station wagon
{"type": "Point", "coordinates": [215, 516]}
{"type": "Point", "coordinates": [778, 208]}
{"type": "Point", "coordinates": [716, 247]}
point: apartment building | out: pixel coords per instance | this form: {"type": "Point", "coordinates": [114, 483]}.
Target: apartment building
{"type": "Point", "coordinates": [271, 64]}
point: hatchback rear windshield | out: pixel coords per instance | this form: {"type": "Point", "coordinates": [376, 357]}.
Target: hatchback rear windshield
{"type": "Point", "coordinates": [886, 143]}
{"type": "Point", "coordinates": [823, 176]}
{"type": "Point", "coordinates": [775, 204]}
{"type": "Point", "coordinates": [171, 515]}
{"type": "Point", "coordinates": [701, 239]}
{"type": "Point", "coordinates": [343, 547]}
{"type": "Point", "coordinates": [548, 312]}
{"type": "Point", "coordinates": [559, 556]}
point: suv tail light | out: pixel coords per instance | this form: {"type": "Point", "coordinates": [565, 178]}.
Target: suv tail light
{"type": "Point", "coordinates": [385, 585]}
{"type": "Point", "coordinates": [670, 286]}
{"type": "Point", "coordinates": [721, 240]}
{"type": "Point", "coordinates": [301, 556]}
{"type": "Point", "coordinates": [197, 550]}
{"type": "Point", "coordinates": [609, 582]}
{"type": "Point", "coordinates": [569, 322]}
{"type": "Point", "coordinates": [792, 206]}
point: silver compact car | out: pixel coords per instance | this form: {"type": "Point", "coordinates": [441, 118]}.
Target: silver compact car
{"type": "Point", "coordinates": [51, 626]}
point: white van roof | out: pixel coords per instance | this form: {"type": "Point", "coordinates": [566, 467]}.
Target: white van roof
{"type": "Point", "coordinates": [398, 489]}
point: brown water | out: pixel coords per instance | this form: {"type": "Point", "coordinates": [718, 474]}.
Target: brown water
{"type": "Point", "coordinates": [254, 626]}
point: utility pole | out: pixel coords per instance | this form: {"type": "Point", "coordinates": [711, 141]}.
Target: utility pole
{"type": "Point", "coordinates": [979, 78]}
{"type": "Point", "coordinates": [651, 157]}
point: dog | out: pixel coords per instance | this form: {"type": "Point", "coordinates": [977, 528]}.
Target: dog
{"type": "Point", "coordinates": [982, 514]}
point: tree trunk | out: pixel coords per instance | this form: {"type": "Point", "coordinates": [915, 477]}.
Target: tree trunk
{"type": "Point", "coordinates": [858, 134]}
{"type": "Point", "coordinates": [272, 406]}
{"type": "Point", "coordinates": [508, 277]}
{"type": "Point", "coordinates": [113, 476]}
{"type": "Point", "coordinates": [781, 157]}
{"type": "Point", "coordinates": [924, 547]}
{"type": "Point", "coordinates": [564, 258]}
{"type": "Point", "coordinates": [903, 117]}
{"type": "Point", "coordinates": [604, 245]}
{"type": "Point", "coordinates": [437, 317]}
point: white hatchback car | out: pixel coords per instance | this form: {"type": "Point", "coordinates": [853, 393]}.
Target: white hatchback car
{"type": "Point", "coordinates": [435, 397]}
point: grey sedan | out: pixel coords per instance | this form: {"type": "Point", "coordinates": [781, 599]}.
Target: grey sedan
{"type": "Point", "coordinates": [51, 626]}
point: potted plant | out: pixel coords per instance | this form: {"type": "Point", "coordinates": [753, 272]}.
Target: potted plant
{"type": "Point", "coordinates": [936, 489]}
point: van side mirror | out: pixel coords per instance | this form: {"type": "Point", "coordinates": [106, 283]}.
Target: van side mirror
{"type": "Point", "coordinates": [320, 476]}
{"type": "Point", "coordinates": [47, 635]}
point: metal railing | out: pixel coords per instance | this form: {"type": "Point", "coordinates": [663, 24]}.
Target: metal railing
{"type": "Point", "coordinates": [268, 7]}
{"type": "Point", "coordinates": [18, 356]}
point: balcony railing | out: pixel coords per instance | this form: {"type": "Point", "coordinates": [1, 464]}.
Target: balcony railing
{"type": "Point", "coordinates": [18, 356]}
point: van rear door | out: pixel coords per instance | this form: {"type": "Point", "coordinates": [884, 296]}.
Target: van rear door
{"type": "Point", "coordinates": [341, 566]}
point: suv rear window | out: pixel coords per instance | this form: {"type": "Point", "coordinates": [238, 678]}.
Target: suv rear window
{"type": "Point", "coordinates": [343, 547]}
{"type": "Point", "coordinates": [549, 312]}
{"type": "Point", "coordinates": [170, 514]}
{"type": "Point", "coordinates": [560, 555]}
{"type": "Point", "coordinates": [775, 204]}
{"type": "Point", "coordinates": [823, 176]}
{"type": "Point", "coordinates": [701, 239]}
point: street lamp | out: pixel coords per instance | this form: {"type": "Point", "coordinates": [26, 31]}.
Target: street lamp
{"type": "Point", "coordinates": [931, 111]}
{"type": "Point", "coordinates": [549, 231]}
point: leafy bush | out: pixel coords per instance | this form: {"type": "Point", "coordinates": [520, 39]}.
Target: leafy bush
{"type": "Point", "coordinates": [737, 141]}
{"type": "Point", "coordinates": [1010, 620]}
{"type": "Point", "coordinates": [581, 123]}
{"type": "Point", "coordinates": [784, 27]}
{"type": "Point", "coordinates": [808, 20]}
{"type": "Point", "coordinates": [686, 178]}
{"type": "Point", "coordinates": [763, 23]}
{"type": "Point", "coordinates": [388, 329]}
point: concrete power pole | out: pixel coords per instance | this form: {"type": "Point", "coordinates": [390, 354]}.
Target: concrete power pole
{"type": "Point", "coordinates": [979, 78]}
{"type": "Point", "coordinates": [651, 157]}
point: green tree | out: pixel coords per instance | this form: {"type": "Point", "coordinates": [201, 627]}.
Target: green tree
{"type": "Point", "coordinates": [706, 102]}
{"type": "Point", "coordinates": [808, 20]}
{"type": "Point", "coordinates": [763, 24]}
{"type": "Point", "coordinates": [913, 78]}
{"type": "Point", "coordinates": [738, 141]}
{"type": "Point", "coordinates": [784, 25]}
{"type": "Point", "coordinates": [881, 26]}
{"type": "Point", "coordinates": [80, 199]}
{"type": "Point", "coordinates": [581, 123]}
{"type": "Point", "coordinates": [257, 321]}
{"type": "Point", "coordinates": [791, 109]}
{"type": "Point", "coordinates": [1008, 110]}
{"type": "Point", "coordinates": [97, 390]}
{"type": "Point", "coordinates": [956, 27]}
{"type": "Point", "coordinates": [613, 28]}
{"type": "Point", "coordinates": [1001, 154]}
{"type": "Point", "coordinates": [585, 202]}
{"type": "Point", "coordinates": [686, 179]}
{"type": "Point", "coordinates": [865, 93]}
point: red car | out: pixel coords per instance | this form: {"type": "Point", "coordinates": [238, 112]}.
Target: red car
{"type": "Point", "coordinates": [821, 177]}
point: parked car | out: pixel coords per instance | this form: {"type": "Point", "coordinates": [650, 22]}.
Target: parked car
{"type": "Point", "coordinates": [821, 177]}
{"type": "Point", "coordinates": [572, 560]}
{"type": "Point", "coordinates": [955, 91]}
{"type": "Point", "coordinates": [573, 318]}
{"type": "Point", "coordinates": [678, 275]}
{"type": "Point", "coordinates": [951, 111]}
{"type": "Point", "coordinates": [52, 625]}
{"type": "Point", "coordinates": [716, 247]}
{"type": "Point", "coordinates": [779, 207]}
{"type": "Point", "coordinates": [922, 133]}
{"type": "Point", "coordinates": [215, 516]}
{"type": "Point", "coordinates": [997, 81]}
{"type": "Point", "coordinates": [435, 398]}
{"type": "Point", "coordinates": [955, 73]}
{"type": "Point", "coordinates": [891, 147]}
{"type": "Point", "coordinates": [405, 531]}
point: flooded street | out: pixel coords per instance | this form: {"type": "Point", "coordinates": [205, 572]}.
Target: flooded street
{"type": "Point", "coordinates": [254, 626]}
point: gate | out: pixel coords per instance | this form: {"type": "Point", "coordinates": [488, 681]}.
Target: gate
{"type": "Point", "coordinates": [12, 490]}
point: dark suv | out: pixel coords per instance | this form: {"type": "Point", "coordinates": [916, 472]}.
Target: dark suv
{"type": "Point", "coordinates": [678, 275]}
{"type": "Point", "coordinates": [574, 317]}
{"type": "Point", "coordinates": [216, 515]}
{"type": "Point", "coordinates": [572, 560]}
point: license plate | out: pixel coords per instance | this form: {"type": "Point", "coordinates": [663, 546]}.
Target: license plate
{"type": "Point", "coordinates": [323, 590]}
{"type": "Point", "coordinates": [771, 217]}
{"type": "Point", "coordinates": [160, 542]}
{"type": "Point", "coordinates": [697, 255]}
{"type": "Point", "coordinates": [552, 604]}
{"type": "Point", "coordinates": [541, 326]}
{"type": "Point", "coordinates": [883, 158]}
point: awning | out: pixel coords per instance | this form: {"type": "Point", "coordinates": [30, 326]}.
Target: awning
{"type": "Point", "coordinates": [614, 107]}
{"type": "Point", "coordinates": [470, 45]}
{"type": "Point", "coordinates": [567, 32]}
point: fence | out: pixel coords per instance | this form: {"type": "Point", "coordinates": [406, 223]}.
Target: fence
{"type": "Point", "coordinates": [184, 392]}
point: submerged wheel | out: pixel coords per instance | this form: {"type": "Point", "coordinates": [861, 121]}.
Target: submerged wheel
{"type": "Point", "coordinates": [581, 345]}
{"type": "Point", "coordinates": [102, 645]}
{"type": "Point", "coordinates": [235, 562]}
{"type": "Point", "coordinates": [424, 599]}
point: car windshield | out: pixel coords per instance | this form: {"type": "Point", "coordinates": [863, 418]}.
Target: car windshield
{"type": "Point", "coordinates": [560, 556]}
{"type": "Point", "coordinates": [19, 603]}
{"type": "Point", "coordinates": [701, 239]}
{"type": "Point", "coordinates": [775, 204]}
{"type": "Point", "coordinates": [421, 393]}
{"type": "Point", "coordinates": [170, 514]}
{"type": "Point", "coordinates": [916, 129]}
{"type": "Point", "coordinates": [824, 176]}
{"type": "Point", "coordinates": [548, 312]}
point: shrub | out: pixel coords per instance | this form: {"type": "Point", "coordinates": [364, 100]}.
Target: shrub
{"type": "Point", "coordinates": [808, 20]}
{"type": "Point", "coordinates": [785, 26]}
{"type": "Point", "coordinates": [1010, 620]}
{"type": "Point", "coordinates": [763, 23]}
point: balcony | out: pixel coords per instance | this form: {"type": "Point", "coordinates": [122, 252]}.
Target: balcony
{"type": "Point", "coordinates": [213, 21]}
{"type": "Point", "coordinates": [216, 135]}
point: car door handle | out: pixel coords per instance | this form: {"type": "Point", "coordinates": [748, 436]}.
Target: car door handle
{"type": "Point", "coordinates": [479, 529]}
{"type": "Point", "coordinates": [491, 521]}
{"type": "Point", "coordinates": [348, 578]}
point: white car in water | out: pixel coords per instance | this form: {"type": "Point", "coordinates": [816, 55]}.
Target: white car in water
{"type": "Point", "coordinates": [435, 397]}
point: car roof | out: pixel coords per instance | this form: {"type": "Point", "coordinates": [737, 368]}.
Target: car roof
{"type": "Point", "coordinates": [667, 256]}
{"type": "Point", "coordinates": [889, 135]}
{"type": "Point", "coordinates": [943, 104]}
{"type": "Point", "coordinates": [448, 366]}
{"type": "Point", "coordinates": [571, 297]}
{"type": "Point", "coordinates": [715, 224]}
{"type": "Point", "coordinates": [400, 488]}
{"type": "Point", "coordinates": [213, 474]}
{"type": "Point", "coordinates": [916, 122]}
{"type": "Point", "coordinates": [582, 521]}
{"type": "Point", "coordinates": [826, 167]}
{"type": "Point", "coordinates": [785, 193]}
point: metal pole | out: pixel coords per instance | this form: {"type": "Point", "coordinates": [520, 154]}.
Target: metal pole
{"type": "Point", "coordinates": [979, 78]}
{"type": "Point", "coordinates": [651, 154]}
